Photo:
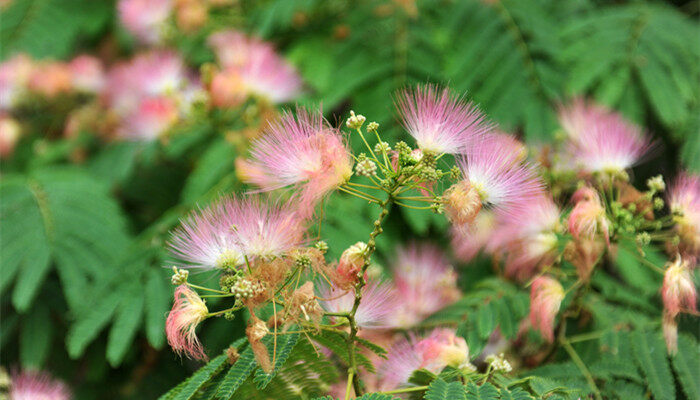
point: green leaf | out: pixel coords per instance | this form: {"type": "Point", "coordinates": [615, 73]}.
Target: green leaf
{"type": "Point", "coordinates": [157, 297]}
{"type": "Point", "coordinates": [216, 161]}
{"type": "Point", "coordinates": [377, 396]}
{"type": "Point", "coordinates": [650, 354]}
{"type": "Point", "coordinates": [285, 346]}
{"type": "Point", "coordinates": [486, 320]}
{"type": "Point", "coordinates": [126, 324]}
{"type": "Point", "coordinates": [86, 329]}
{"type": "Point", "coordinates": [441, 390]}
{"type": "Point", "coordinates": [35, 338]}
{"type": "Point", "coordinates": [484, 392]}
{"type": "Point", "coordinates": [237, 374]}
{"type": "Point", "coordinates": [200, 378]}
{"type": "Point", "coordinates": [686, 363]}
{"type": "Point", "coordinates": [515, 394]}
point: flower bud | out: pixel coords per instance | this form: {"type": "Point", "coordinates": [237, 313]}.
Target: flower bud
{"type": "Point", "coordinates": [187, 312]}
{"type": "Point", "coordinates": [545, 299]}
{"type": "Point", "coordinates": [366, 168]}
{"type": "Point", "coordinates": [678, 291]}
{"type": "Point", "coordinates": [355, 121]}
{"type": "Point", "coordinates": [656, 184]}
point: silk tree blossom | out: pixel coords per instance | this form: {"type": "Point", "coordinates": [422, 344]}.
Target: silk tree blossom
{"type": "Point", "coordinates": [350, 265]}
{"type": "Point", "coordinates": [684, 201]}
{"type": "Point", "coordinates": [602, 141]}
{"type": "Point", "coordinates": [87, 74]}
{"type": "Point", "coordinates": [678, 290]}
{"type": "Point", "coordinates": [50, 79]}
{"type": "Point", "coordinates": [14, 77]}
{"type": "Point", "coordinates": [10, 133]}
{"type": "Point", "coordinates": [439, 121]}
{"type": "Point", "coordinates": [188, 311]}
{"type": "Point", "coordinates": [378, 302]}
{"type": "Point", "coordinates": [153, 118]}
{"type": "Point", "coordinates": [304, 152]}
{"type": "Point", "coordinates": [37, 385]}
{"type": "Point", "coordinates": [529, 239]}
{"type": "Point", "coordinates": [222, 235]}
{"type": "Point", "coordinates": [546, 296]}
{"type": "Point", "coordinates": [469, 239]}
{"type": "Point", "coordinates": [425, 282]}
{"type": "Point", "coordinates": [145, 19]}
{"type": "Point", "coordinates": [438, 350]}
{"type": "Point", "coordinates": [493, 178]}
{"type": "Point", "coordinates": [588, 218]}
{"type": "Point", "coordinates": [250, 67]}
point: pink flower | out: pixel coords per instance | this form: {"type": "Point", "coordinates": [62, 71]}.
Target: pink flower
{"type": "Point", "coordinates": [439, 121]}
{"type": "Point", "coordinates": [603, 141]}
{"type": "Point", "coordinates": [529, 239]}
{"type": "Point", "coordinates": [378, 302]}
{"type": "Point", "coordinates": [545, 299]}
{"type": "Point", "coordinates": [304, 152]}
{"type": "Point", "coordinates": [494, 178]}
{"type": "Point", "coordinates": [152, 119]}
{"type": "Point", "coordinates": [588, 217]}
{"type": "Point", "coordinates": [145, 19]}
{"type": "Point", "coordinates": [684, 201]}
{"type": "Point", "coordinates": [469, 239]}
{"type": "Point", "coordinates": [350, 265]}
{"type": "Point", "coordinates": [425, 282]}
{"type": "Point", "coordinates": [221, 235]}
{"type": "Point", "coordinates": [669, 325]}
{"type": "Point", "coordinates": [35, 385]}
{"type": "Point", "coordinates": [14, 77]}
{"type": "Point", "coordinates": [188, 311]}
{"type": "Point", "coordinates": [50, 79]}
{"type": "Point", "coordinates": [251, 67]}
{"type": "Point", "coordinates": [435, 352]}
{"type": "Point", "coordinates": [678, 290]}
{"type": "Point", "coordinates": [10, 132]}
{"type": "Point", "coordinates": [87, 73]}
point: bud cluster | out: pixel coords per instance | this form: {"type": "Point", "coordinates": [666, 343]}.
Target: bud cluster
{"type": "Point", "coordinates": [246, 288]}
{"type": "Point", "coordinates": [179, 276]}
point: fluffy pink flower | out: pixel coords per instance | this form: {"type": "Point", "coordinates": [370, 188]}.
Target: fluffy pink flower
{"type": "Point", "coordinates": [425, 282]}
{"type": "Point", "coordinates": [378, 302]}
{"type": "Point", "coordinates": [602, 141]}
{"type": "Point", "coordinates": [145, 19]}
{"type": "Point", "coordinates": [678, 290]}
{"type": "Point", "coordinates": [152, 119]}
{"type": "Point", "coordinates": [14, 76]}
{"type": "Point", "coordinates": [435, 352]}
{"type": "Point", "coordinates": [35, 385]}
{"type": "Point", "coordinates": [304, 152]}
{"type": "Point", "coordinates": [529, 239]}
{"type": "Point", "coordinates": [588, 217]}
{"type": "Point", "coordinates": [50, 79]}
{"type": "Point", "coordinates": [221, 235]}
{"type": "Point", "coordinates": [351, 262]}
{"type": "Point", "coordinates": [251, 67]}
{"type": "Point", "coordinates": [469, 239]}
{"type": "Point", "coordinates": [545, 299]}
{"type": "Point", "coordinates": [439, 121]}
{"type": "Point", "coordinates": [669, 325]}
{"type": "Point", "coordinates": [10, 132]}
{"type": "Point", "coordinates": [684, 201]}
{"type": "Point", "coordinates": [87, 73]}
{"type": "Point", "coordinates": [187, 312]}
{"type": "Point", "coordinates": [496, 179]}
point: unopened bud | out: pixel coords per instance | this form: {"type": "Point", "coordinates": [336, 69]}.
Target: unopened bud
{"type": "Point", "coordinates": [355, 121]}
{"type": "Point", "coordinates": [499, 363]}
{"type": "Point", "coordinates": [322, 246]}
{"type": "Point", "coordinates": [656, 183]}
{"type": "Point", "coordinates": [381, 147]}
{"type": "Point", "coordinates": [366, 168]}
{"type": "Point", "coordinates": [658, 203]}
{"type": "Point", "coordinates": [372, 126]}
{"type": "Point", "coordinates": [179, 276]}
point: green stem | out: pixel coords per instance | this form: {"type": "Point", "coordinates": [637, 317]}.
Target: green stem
{"type": "Point", "coordinates": [582, 367]}
{"type": "Point", "coordinates": [406, 390]}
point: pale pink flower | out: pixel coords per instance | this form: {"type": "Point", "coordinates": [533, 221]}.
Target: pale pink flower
{"type": "Point", "coordinates": [439, 121]}
{"type": "Point", "coordinates": [153, 118]}
{"type": "Point", "coordinates": [469, 239]}
{"type": "Point", "coordinates": [188, 311]}
{"type": "Point", "coordinates": [684, 201]}
{"type": "Point", "coordinates": [669, 325]}
{"type": "Point", "coordinates": [588, 218]}
{"type": "Point", "coordinates": [14, 77]}
{"type": "Point", "coordinates": [50, 79]}
{"type": "Point", "coordinates": [440, 349]}
{"type": "Point", "coordinates": [37, 385]}
{"type": "Point", "coordinates": [87, 73]}
{"type": "Point", "coordinates": [10, 132]}
{"type": "Point", "coordinates": [529, 238]}
{"type": "Point", "coordinates": [546, 296]}
{"type": "Point", "coordinates": [374, 312]}
{"type": "Point", "coordinates": [251, 67]}
{"type": "Point", "coordinates": [351, 262]}
{"type": "Point", "coordinates": [304, 152]}
{"type": "Point", "coordinates": [425, 282]}
{"type": "Point", "coordinates": [678, 290]}
{"type": "Point", "coordinates": [223, 234]}
{"type": "Point", "coordinates": [145, 19]}
{"type": "Point", "coordinates": [602, 141]}
{"type": "Point", "coordinates": [495, 179]}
